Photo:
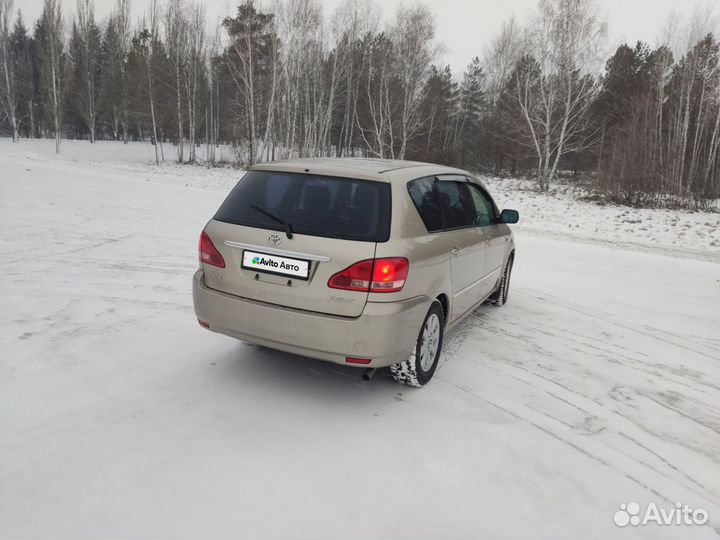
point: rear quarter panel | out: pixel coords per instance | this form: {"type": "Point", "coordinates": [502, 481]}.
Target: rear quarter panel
{"type": "Point", "coordinates": [429, 254]}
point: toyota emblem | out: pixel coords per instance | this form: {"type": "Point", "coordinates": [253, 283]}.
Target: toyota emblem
{"type": "Point", "coordinates": [274, 239]}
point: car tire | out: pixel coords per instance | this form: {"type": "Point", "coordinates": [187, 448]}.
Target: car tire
{"type": "Point", "coordinates": [500, 296]}
{"type": "Point", "coordinates": [420, 367]}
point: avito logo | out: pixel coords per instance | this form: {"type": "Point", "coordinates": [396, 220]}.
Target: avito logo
{"type": "Point", "coordinates": [630, 514]}
{"type": "Point", "coordinates": [281, 265]}
{"type": "Point", "coordinates": [262, 261]}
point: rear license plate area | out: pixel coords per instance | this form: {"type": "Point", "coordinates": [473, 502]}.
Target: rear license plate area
{"type": "Point", "coordinates": [275, 264]}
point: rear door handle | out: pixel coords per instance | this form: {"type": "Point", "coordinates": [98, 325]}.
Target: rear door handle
{"type": "Point", "coordinates": [455, 251]}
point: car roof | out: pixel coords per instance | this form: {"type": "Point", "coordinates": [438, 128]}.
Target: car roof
{"type": "Point", "coordinates": [381, 170]}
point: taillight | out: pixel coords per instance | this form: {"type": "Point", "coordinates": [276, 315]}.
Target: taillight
{"type": "Point", "coordinates": [209, 253]}
{"type": "Point", "coordinates": [353, 278]}
{"type": "Point", "coordinates": [389, 275]}
{"type": "Point", "coordinates": [373, 275]}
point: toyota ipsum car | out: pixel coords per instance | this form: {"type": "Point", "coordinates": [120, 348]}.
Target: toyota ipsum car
{"type": "Point", "coordinates": [361, 262]}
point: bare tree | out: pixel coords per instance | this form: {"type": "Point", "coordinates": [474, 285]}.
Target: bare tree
{"type": "Point", "coordinates": [351, 21]}
{"type": "Point", "coordinates": [196, 51]}
{"type": "Point", "coordinates": [211, 116]}
{"type": "Point", "coordinates": [566, 37]}
{"type": "Point", "coordinates": [682, 30]}
{"type": "Point", "coordinates": [52, 63]}
{"type": "Point", "coordinates": [299, 56]}
{"type": "Point", "coordinates": [146, 41]}
{"type": "Point", "coordinates": [376, 125]}
{"type": "Point", "coordinates": [85, 54]}
{"type": "Point", "coordinates": [176, 39]}
{"type": "Point", "coordinates": [249, 34]}
{"type": "Point", "coordinates": [502, 55]}
{"type": "Point", "coordinates": [9, 91]}
{"type": "Point", "coordinates": [120, 20]}
{"type": "Point", "coordinates": [412, 36]}
{"type": "Point", "coordinates": [692, 105]}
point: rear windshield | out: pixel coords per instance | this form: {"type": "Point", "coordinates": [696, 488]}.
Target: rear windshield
{"type": "Point", "coordinates": [313, 205]}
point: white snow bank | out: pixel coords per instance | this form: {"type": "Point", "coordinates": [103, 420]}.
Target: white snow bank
{"type": "Point", "coordinates": [561, 214]}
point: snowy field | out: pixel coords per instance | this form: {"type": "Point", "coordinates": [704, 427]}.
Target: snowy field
{"type": "Point", "coordinates": [597, 385]}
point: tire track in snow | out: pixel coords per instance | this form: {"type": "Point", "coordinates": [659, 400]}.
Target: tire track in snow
{"type": "Point", "coordinates": [606, 317]}
{"type": "Point", "coordinates": [595, 410]}
{"type": "Point", "coordinates": [561, 439]}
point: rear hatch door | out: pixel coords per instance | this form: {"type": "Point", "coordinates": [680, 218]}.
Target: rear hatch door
{"type": "Point", "coordinates": [335, 222]}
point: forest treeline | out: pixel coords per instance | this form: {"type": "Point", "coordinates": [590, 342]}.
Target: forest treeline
{"type": "Point", "coordinates": [282, 80]}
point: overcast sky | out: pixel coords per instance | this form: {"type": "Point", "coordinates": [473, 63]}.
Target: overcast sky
{"type": "Point", "coordinates": [465, 26]}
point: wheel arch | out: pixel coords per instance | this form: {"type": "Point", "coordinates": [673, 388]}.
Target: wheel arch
{"type": "Point", "coordinates": [445, 305]}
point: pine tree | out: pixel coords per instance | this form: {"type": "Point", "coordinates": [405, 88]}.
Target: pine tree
{"type": "Point", "coordinates": [21, 47]}
{"type": "Point", "coordinates": [469, 127]}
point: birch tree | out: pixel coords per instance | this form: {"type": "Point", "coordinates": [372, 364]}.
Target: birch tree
{"type": "Point", "coordinates": [502, 55]}
{"type": "Point", "coordinates": [52, 64]}
{"type": "Point", "coordinates": [212, 111]}
{"type": "Point", "coordinates": [567, 38]}
{"type": "Point", "coordinates": [351, 21]}
{"type": "Point", "coordinates": [85, 57]}
{"type": "Point", "coordinates": [176, 39]}
{"type": "Point", "coordinates": [412, 36]}
{"type": "Point", "coordinates": [692, 133]}
{"type": "Point", "coordinates": [250, 36]}
{"type": "Point", "coordinates": [374, 114]}
{"type": "Point", "coordinates": [117, 51]}
{"type": "Point", "coordinates": [9, 87]}
{"type": "Point", "coordinates": [195, 71]}
{"type": "Point", "coordinates": [144, 45]}
{"type": "Point", "coordinates": [299, 56]}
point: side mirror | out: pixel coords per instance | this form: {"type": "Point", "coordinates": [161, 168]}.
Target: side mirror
{"type": "Point", "coordinates": [509, 216]}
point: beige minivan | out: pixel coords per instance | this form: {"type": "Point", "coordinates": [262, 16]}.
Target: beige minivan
{"type": "Point", "coordinates": [361, 262]}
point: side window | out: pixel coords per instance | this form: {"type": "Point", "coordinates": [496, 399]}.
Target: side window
{"type": "Point", "coordinates": [484, 208]}
{"type": "Point", "coordinates": [456, 204]}
{"type": "Point", "coordinates": [425, 197]}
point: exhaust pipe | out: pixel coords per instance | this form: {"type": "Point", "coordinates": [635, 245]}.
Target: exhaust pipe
{"type": "Point", "coordinates": [368, 373]}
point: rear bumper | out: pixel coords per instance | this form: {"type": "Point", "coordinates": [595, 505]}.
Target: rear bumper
{"type": "Point", "coordinates": [386, 332]}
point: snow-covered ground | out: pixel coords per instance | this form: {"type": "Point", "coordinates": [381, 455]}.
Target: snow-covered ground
{"type": "Point", "coordinates": [597, 385]}
{"type": "Point", "coordinates": [564, 215]}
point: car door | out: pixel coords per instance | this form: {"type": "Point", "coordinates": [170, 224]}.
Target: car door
{"type": "Point", "coordinates": [465, 243]}
{"type": "Point", "coordinates": [494, 237]}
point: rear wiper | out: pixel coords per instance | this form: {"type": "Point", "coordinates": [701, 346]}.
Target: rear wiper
{"type": "Point", "coordinates": [268, 213]}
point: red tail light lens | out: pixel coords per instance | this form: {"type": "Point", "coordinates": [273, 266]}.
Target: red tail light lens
{"type": "Point", "coordinates": [353, 278]}
{"type": "Point", "coordinates": [209, 253]}
{"type": "Point", "coordinates": [373, 275]}
{"type": "Point", "coordinates": [389, 275]}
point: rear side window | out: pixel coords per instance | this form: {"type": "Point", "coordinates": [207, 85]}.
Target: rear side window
{"type": "Point", "coordinates": [425, 197]}
{"type": "Point", "coordinates": [456, 204]}
{"type": "Point", "coordinates": [442, 204]}
{"type": "Point", "coordinates": [314, 205]}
